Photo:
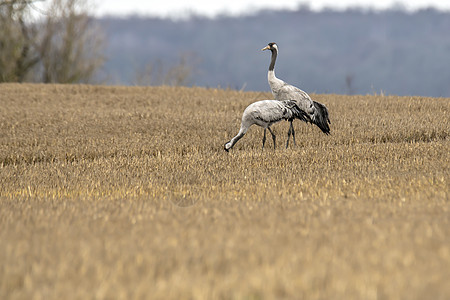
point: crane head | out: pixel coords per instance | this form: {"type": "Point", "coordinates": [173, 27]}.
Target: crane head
{"type": "Point", "coordinates": [271, 47]}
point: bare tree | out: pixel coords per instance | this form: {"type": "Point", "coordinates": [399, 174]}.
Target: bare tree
{"type": "Point", "coordinates": [70, 44]}
{"type": "Point", "coordinates": [17, 57]}
{"type": "Point", "coordinates": [349, 84]}
{"type": "Point", "coordinates": [150, 74]}
{"type": "Point", "coordinates": [177, 75]}
{"type": "Point", "coordinates": [63, 46]}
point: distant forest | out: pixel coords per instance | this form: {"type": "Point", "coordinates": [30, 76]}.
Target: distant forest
{"type": "Point", "coordinates": [344, 52]}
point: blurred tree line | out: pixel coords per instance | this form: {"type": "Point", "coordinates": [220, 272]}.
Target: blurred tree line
{"type": "Point", "coordinates": [61, 45]}
{"type": "Point", "coordinates": [356, 51]}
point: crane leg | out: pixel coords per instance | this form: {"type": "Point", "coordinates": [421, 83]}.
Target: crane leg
{"type": "Point", "coordinates": [293, 134]}
{"type": "Point", "coordinates": [289, 134]}
{"type": "Point", "coordinates": [273, 137]}
{"type": "Point", "coordinates": [264, 138]}
{"type": "Point", "coordinates": [291, 131]}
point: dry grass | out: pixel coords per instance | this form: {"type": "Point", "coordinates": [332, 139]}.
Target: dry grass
{"type": "Point", "coordinates": [126, 193]}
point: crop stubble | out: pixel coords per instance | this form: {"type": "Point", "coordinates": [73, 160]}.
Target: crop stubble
{"type": "Point", "coordinates": [126, 192]}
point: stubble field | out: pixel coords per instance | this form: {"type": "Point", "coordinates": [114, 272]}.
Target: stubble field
{"type": "Point", "coordinates": [127, 193]}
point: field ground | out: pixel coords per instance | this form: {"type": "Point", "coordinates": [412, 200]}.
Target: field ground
{"type": "Point", "coordinates": [126, 193]}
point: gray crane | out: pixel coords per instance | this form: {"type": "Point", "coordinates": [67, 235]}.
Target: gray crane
{"type": "Point", "coordinates": [315, 112]}
{"type": "Point", "coordinates": [264, 113]}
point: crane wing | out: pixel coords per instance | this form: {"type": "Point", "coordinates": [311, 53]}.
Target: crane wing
{"type": "Point", "coordinates": [290, 92]}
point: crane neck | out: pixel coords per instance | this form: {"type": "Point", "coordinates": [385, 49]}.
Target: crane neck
{"type": "Point", "coordinates": [234, 140]}
{"type": "Point", "coordinates": [272, 61]}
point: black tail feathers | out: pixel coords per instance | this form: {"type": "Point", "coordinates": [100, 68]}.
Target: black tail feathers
{"type": "Point", "coordinates": [321, 118]}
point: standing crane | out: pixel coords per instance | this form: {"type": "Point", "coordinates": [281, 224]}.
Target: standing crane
{"type": "Point", "coordinates": [315, 112]}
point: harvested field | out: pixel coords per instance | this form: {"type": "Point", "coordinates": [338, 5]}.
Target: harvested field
{"type": "Point", "coordinates": [127, 193]}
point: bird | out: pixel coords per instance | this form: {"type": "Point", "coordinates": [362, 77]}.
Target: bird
{"type": "Point", "coordinates": [315, 112]}
{"type": "Point", "coordinates": [265, 113]}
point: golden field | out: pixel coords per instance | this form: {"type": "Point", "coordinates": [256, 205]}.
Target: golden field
{"type": "Point", "coordinates": [127, 193]}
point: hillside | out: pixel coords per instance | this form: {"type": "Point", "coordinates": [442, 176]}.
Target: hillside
{"type": "Point", "coordinates": [350, 52]}
{"type": "Point", "coordinates": [127, 193]}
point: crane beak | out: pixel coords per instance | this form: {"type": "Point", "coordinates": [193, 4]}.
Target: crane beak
{"type": "Point", "coordinates": [265, 48]}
